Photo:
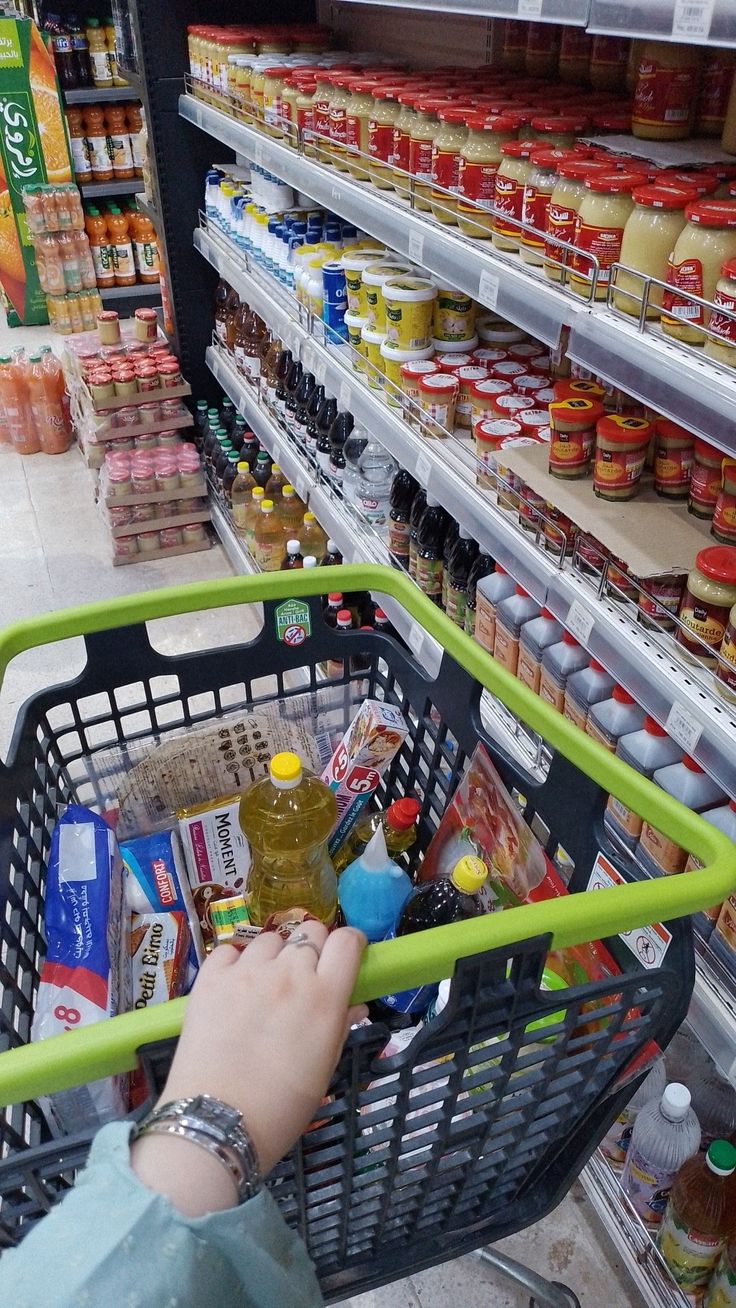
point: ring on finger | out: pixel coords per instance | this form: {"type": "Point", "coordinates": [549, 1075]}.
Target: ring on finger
{"type": "Point", "coordinates": [300, 939]}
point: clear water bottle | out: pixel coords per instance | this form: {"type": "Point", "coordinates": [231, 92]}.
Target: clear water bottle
{"type": "Point", "coordinates": [352, 450]}
{"type": "Point", "coordinates": [376, 473]}
{"type": "Point", "coordinates": [212, 196]}
{"type": "Point", "coordinates": [666, 1133]}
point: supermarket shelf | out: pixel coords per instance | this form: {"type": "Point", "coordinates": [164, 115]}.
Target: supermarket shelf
{"type": "Point", "coordinates": [141, 291]}
{"type": "Point", "coordinates": [128, 186]}
{"type": "Point", "coordinates": [675, 381]}
{"type": "Point", "coordinates": [630, 1238]}
{"type": "Point", "coordinates": [712, 1017]}
{"type": "Point", "coordinates": [134, 80]}
{"type": "Point", "coordinates": [98, 95]}
{"type": "Point", "coordinates": [501, 284]}
{"type": "Point", "coordinates": [697, 22]}
{"type": "Point", "coordinates": [699, 720]}
{"type": "Point", "coordinates": [149, 210]}
{"type": "Point", "coordinates": [233, 546]}
{"type": "Point", "coordinates": [573, 13]}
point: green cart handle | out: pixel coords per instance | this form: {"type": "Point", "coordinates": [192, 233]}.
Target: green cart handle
{"type": "Point", "coordinates": [109, 1047]}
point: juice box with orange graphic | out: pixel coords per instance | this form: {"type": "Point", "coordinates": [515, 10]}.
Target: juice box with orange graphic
{"type": "Point", "coordinates": [34, 148]}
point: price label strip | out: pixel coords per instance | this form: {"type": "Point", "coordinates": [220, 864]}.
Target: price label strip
{"type": "Point", "coordinates": [423, 469]}
{"type": "Point", "coordinates": [579, 622]}
{"type": "Point", "coordinates": [683, 727]}
{"type": "Point", "coordinates": [416, 246]}
{"type": "Point", "coordinates": [691, 19]}
{"type": "Point", "coordinates": [529, 8]}
{"type": "Point", "coordinates": [488, 289]}
{"type": "Point", "coordinates": [649, 944]}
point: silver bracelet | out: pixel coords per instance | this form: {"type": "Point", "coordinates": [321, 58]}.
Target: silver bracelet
{"type": "Point", "coordinates": [216, 1127]}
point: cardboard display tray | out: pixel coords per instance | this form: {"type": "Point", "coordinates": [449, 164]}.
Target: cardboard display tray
{"type": "Point", "coordinates": [653, 536]}
{"type": "Point", "coordinates": [157, 524]}
{"type": "Point", "coordinates": [144, 397]}
{"type": "Point", "coordinates": [106, 435]}
{"type": "Point", "coordinates": [159, 497]}
{"type": "Point", "coordinates": [170, 553]}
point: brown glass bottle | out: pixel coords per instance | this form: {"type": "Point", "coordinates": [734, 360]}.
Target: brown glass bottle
{"type": "Point", "coordinates": [249, 333]}
{"type": "Point", "coordinates": [232, 305]}
{"type": "Point", "coordinates": [222, 291]}
{"type": "Point", "coordinates": [268, 367]}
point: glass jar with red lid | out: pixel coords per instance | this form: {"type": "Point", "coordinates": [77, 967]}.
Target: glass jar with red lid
{"type": "Point", "coordinates": [538, 190]}
{"type": "Point", "coordinates": [558, 131]}
{"type": "Point", "coordinates": [673, 459]}
{"type": "Point", "coordinates": [573, 422]}
{"type": "Point", "coordinates": [381, 122]}
{"type": "Point", "coordinates": [707, 240]}
{"type": "Point", "coordinates": [446, 147]}
{"type": "Point", "coordinates": [621, 448]}
{"type": "Point", "coordinates": [511, 178]}
{"type": "Point", "coordinates": [421, 138]}
{"type": "Point", "coordinates": [599, 229]}
{"type": "Point", "coordinates": [707, 602]}
{"type": "Point", "coordinates": [480, 156]}
{"type": "Point", "coordinates": [650, 235]}
{"type": "Point", "coordinates": [562, 211]}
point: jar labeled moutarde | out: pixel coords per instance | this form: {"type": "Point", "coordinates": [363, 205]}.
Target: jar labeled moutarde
{"type": "Point", "coordinates": [723, 526]}
{"type": "Point", "coordinates": [726, 676]}
{"type": "Point", "coordinates": [709, 596]}
{"type": "Point", "coordinates": [511, 178]}
{"type": "Point", "coordinates": [706, 242]}
{"type": "Point", "coordinates": [573, 424]}
{"type": "Point", "coordinates": [705, 479]}
{"type": "Point", "coordinates": [480, 156]}
{"type": "Point", "coordinates": [621, 447]}
{"type": "Point", "coordinates": [722, 322]}
{"type": "Point", "coordinates": [599, 229]}
{"type": "Point", "coordinates": [650, 236]}
{"type": "Point", "coordinates": [660, 598]}
{"type": "Point", "coordinates": [673, 459]}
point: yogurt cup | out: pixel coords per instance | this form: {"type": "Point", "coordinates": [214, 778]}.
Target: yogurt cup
{"type": "Point", "coordinates": [498, 332]}
{"type": "Point", "coordinates": [438, 393]}
{"type": "Point", "coordinates": [372, 342]}
{"type": "Point", "coordinates": [393, 358]}
{"type": "Point", "coordinates": [409, 304]}
{"type": "Point", "coordinates": [454, 315]}
{"type": "Point", "coordinates": [354, 324]}
{"type": "Point", "coordinates": [353, 262]}
{"type": "Point", "coordinates": [466, 346]}
{"type": "Point", "coordinates": [374, 276]}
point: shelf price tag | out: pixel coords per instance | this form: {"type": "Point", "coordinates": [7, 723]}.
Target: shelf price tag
{"type": "Point", "coordinates": [579, 622]}
{"type": "Point", "coordinates": [691, 19]}
{"type": "Point", "coordinates": [416, 246]}
{"type": "Point", "coordinates": [423, 469]}
{"type": "Point", "coordinates": [488, 289]}
{"type": "Point", "coordinates": [303, 484]}
{"type": "Point", "coordinates": [683, 727]}
{"type": "Point", "coordinates": [529, 8]}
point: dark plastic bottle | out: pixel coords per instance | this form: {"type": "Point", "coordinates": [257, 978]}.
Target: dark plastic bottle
{"type": "Point", "coordinates": [339, 432]}
{"type": "Point", "coordinates": [222, 291]}
{"type": "Point", "coordinates": [262, 469]}
{"type": "Point", "coordinates": [483, 566]}
{"type": "Point", "coordinates": [325, 418]}
{"type": "Point", "coordinates": [305, 390]}
{"type": "Point", "coordinates": [66, 66]}
{"type": "Point", "coordinates": [228, 476]}
{"type": "Point", "coordinates": [431, 532]}
{"type": "Point", "coordinates": [239, 433]}
{"type": "Point", "coordinates": [451, 537]}
{"type": "Point", "coordinates": [293, 383]}
{"type": "Point", "coordinates": [227, 415]}
{"type": "Point", "coordinates": [218, 435]}
{"type": "Point", "coordinates": [221, 462]}
{"type": "Point", "coordinates": [382, 624]}
{"type": "Point", "coordinates": [250, 449]}
{"type": "Point", "coordinates": [332, 608]}
{"type": "Point", "coordinates": [280, 372]}
{"type": "Point", "coordinates": [314, 407]}
{"type": "Point", "coordinates": [418, 505]}
{"type": "Point", "coordinates": [200, 422]}
{"type": "Point", "coordinates": [446, 900]}
{"type": "Point", "coordinates": [80, 48]}
{"type": "Point", "coordinates": [209, 442]}
{"type": "Point", "coordinates": [403, 491]}
{"type": "Point", "coordinates": [332, 558]}
{"type": "Point", "coordinates": [462, 557]}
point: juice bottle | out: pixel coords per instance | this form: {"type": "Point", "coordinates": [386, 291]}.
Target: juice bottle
{"type": "Point", "coordinates": [123, 261]}
{"type": "Point", "coordinates": [311, 537]}
{"type": "Point", "coordinates": [240, 497]}
{"type": "Point", "coordinates": [721, 1292]}
{"type": "Point", "coordinates": [293, 558]}
{"type": "Point", "coordinates": [666, 1133]}
{"type": "Point", "coordinates": [48, 412]}
{"type": "Point", "coordinates": [275, 484]}
{"type": "Point", "coordinates": [535, 637]}
{"type": "Point", "coordinates": [14, 400]}
{"type": "Point", "coordinates": [134, 120]}
{"type": "Point", "coordinates": [399, 824]}
{"type": "Point", "coordinates": [483, 566]}
{"type": "Point", "coordinates": [85, 259]}
{"type": "Point", "coordinates": [511, 615]}
{"type": "Point", "coordinates": [558, 663]}
{"type": "Point", "coordinates": [75, 311]}
{"type": "Point", "coordinates": [687, 782]}
{"type": "Point", "coordinates": [287, 818]}
{"type": "Point", "coordinates": [99, 54]}
{"type": "Point", "coordinates": [99, 241]}
{"type": "Point", "coordinates": [613, 718]}
{"type": "Point", "coordinates": [78, 141]}
{"type": "Point", "coordinates": [461, 560]}
{"type": "Point", "coordinates": [584, 688]}
{"type": "Point", "coordinates": [251, 516]}
{"type": "Point", "coordinates": [50, 265]}
{"type": "Point", "coordinates": [290, 511]}
{"type": "Point", "coordinates": [269, 539]}
{"type": "Point", "coordinates": [431, 530]}
{"type": "Point", "coordinates": [373, 890]}
{"type": "Point", "coordinates": [145, 249]}
{"type": "Point", "coordinates": [700, 1216]}
{"type": "Point", "coordinates": [70, 264]}
{"type": "Point", "coordinates": [119, 141]}
{"type": "Point", "coordinates": [403, 490]}
{"type": "Point", "coordinates": [109, 29]}
{"type": "Point", "coordinates": [96, 133]}
{"type": "Point", "coordinates": [646, 751]}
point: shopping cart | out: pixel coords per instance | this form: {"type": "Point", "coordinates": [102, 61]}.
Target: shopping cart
{"type": "Point", "coordinates": [478, 1128]}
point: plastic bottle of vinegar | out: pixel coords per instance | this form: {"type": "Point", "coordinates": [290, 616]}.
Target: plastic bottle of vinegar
{"type": "Point", "coordinates": [287, 818]}
{"type": "Point", "coordinates": [700, 1216]}
{"type": "Point", "coordinates": [646, 751]}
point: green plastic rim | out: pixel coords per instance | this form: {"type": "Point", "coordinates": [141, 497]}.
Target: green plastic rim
{"type": "Point", "coordinates": [109, 1048]}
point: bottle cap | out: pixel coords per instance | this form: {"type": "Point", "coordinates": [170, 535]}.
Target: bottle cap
{"type": "Point", "coordinates": [243, 467]}
{"type": "Point", "coordinates": [266, 506]}
{"type": "Point", "coordinates": [292, 546]}
{"type": "Point", "coordinates": [286, 769]}
{"type": "Point", "coordinates": [721, 1158]}
{"type": "Point", "coordinates": [675, 1101]}
{"type": "Point", "coordinates": [287, 489]}
{"type": "Point", "coordinates": [257, 492]}
{"type": "Point", "coordinates": [309, 561]}
{"type": "Point", "coordinates": [335, 597]}
{"type": "Point", "coordinates": [332, 547]}
{"type": "Point", "coordinates": [469, 874]}
{"type": "Point", "coordinates": [652, 727]}
{"type": "Point", "coordinates": [622, 696]}
{"type": "Point", "coordinates": [402, 814]}
{"type": "Point", "coordinates": [344, 618]}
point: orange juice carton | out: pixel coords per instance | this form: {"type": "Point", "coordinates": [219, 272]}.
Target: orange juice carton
{"type": "Point", "coordinates": [34, 149]}
{"type": "Point", "coordinates": [370, 743]}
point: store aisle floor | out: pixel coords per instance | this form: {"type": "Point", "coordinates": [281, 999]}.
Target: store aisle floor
{"type": "Point", "coordinates": [56, 553]}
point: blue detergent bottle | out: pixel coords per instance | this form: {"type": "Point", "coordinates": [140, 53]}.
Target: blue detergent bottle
{"type": "Point", "coordinates": [373, 890]}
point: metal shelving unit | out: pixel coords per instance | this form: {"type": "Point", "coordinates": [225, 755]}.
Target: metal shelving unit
{"type": "Point", "coordinates": [101, 95]}
{"type": "Point", "coordinates": [141, 291]}
{"type": "Point", "coordinates": [96, 190]}
{"type": "Point", "coordinates": [696, 22]}
{"type": "Point", "coordinates": [573, 13]}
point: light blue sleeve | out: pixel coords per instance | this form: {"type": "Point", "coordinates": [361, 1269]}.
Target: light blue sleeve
{"type": "Point", "coordinates": [113, 1241]}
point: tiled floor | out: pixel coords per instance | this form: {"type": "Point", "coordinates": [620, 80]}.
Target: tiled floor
{"type": "Point", "coordinates": [55, 553]}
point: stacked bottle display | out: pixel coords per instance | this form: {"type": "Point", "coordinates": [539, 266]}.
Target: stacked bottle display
{"type": "Point", "coordinates": [84, 53]}
{"type": "Point", "coordinates": [107, 141]}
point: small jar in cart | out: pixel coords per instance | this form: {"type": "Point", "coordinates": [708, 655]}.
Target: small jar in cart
{"type": "Point", "coordinates": [705, 479]}
{"type": "Point", "coordinates": [723, 526]}
{"type": "Point", "coordinates": [620, 452]}
{"type": "Point", "coordinates": [599, 229]}
{"type": "Point", "coordinates": [709, 596]}
{"type": "Point", "coordinates": [146, 325]}
{"type": "Point", "coordinates": [438, 393]}
{"type": "Point", "coordinates": [489, 434]}
{"type": "Point", "coordinates": [573, 424]}
{"type": "Point", "coordinates": [673, 459]}
{"type": "Point", "coordinates": [722, 323]}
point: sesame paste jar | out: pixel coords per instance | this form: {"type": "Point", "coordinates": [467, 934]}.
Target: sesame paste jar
{"type": "Point", "coordinates": [723, 326]}
{"type": "Point", "coordinates": [650, 235]}
{"type": "Point", "coordinates": [665, 96]}
{"type": "Point", "coordinates": [562, 211]}
{"type": "Point", "coordinates": [511, 178]}
{"type": "Point", "coordinates": [446, 147]}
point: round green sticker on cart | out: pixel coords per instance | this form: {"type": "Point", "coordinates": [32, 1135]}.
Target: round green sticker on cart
{"type": "Point", "coordinates": [293, 622]}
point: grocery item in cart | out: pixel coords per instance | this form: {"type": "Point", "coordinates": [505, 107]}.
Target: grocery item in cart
{"type": "Point", "coordinates": [159, 944]}
{"type": "Point", "coordinates": [85, 976]}
{"type": "Point", "coordinates": [287, 818]}
{"type": "Point", "coordinates": [216, 853]}
{"type": "Point", "coordinates": [373, 890]}
{"type": "Point", "coordinates": [369, 745]}
{"type": "Point", "coordinates": [666, 1133]}
{"type": "Point", "coordinates": [399, 825]}
{"type": "Point", "coordinates": [617, 1139]}
{"type": "Point", "coordinates": [156, 882]}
